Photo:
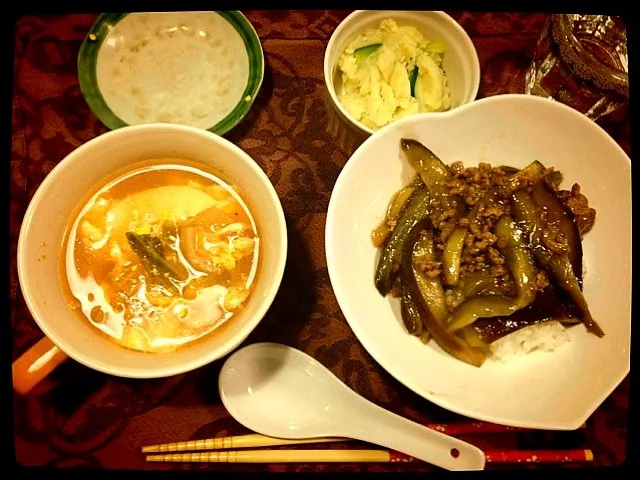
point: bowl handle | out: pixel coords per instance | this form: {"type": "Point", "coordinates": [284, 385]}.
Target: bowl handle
{"type": "Point", "coordinates": [35, 364]}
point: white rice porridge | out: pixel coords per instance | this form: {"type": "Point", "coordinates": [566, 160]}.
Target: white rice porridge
{"type": "Point", "coordinates": [178, 67]}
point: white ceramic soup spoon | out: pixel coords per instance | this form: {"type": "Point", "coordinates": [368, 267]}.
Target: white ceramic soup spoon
{"type": "Point", "coordinates": [278, 391]}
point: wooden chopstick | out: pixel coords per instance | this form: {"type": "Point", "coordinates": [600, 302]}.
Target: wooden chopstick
{"type": "Point", "coordinates": [278, 456]}
{"type": "Point", "coordinates": [363, 456]}
{"type": "Point", "coordinates": [256, 440]}
{"type": "Point", "coordinates": [253, 440]}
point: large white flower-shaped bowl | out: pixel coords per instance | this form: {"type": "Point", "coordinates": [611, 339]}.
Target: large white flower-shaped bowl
{"type": "Point", "coordinates": [548, 390]}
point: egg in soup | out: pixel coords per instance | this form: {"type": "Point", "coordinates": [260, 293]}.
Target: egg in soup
{"type": "Point", "coordinates": [161, 255]}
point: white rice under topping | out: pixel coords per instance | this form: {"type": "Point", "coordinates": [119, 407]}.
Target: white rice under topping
{"type": "Point", "coordinates": [544, 336]}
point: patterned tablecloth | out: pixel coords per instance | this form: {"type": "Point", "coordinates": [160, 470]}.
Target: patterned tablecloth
{"type": "Point", "coordinates": [78, 417]}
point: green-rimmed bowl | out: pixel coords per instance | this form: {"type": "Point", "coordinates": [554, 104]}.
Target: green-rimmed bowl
{"type": "Point", "coordinates": [202, 69]}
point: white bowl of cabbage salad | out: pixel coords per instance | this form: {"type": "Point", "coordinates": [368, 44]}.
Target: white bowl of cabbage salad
{"type": "Point", "coordinates": [383, 65]}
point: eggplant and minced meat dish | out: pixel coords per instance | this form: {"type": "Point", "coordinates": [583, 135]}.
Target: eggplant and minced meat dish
{"type": "Point", "coordinates": [474, 254]}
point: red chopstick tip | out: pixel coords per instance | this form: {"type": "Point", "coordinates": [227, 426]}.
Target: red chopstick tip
{"type": "Point", "coordinates": [539, 456]}
{"type": "Point", "coordinates": [474, 428]}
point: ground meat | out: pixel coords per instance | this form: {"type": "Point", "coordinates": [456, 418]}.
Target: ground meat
{"type": "Point", "coordinates": [525, 179]}
{"type": "Point", "coordinates": [585, 216]}
{"type": "Point", "coordinates": [430, 268]}
{"type": "Point", "coordinates": [555, 240]}
{"type": "Point", "coordinates": [480, 238]}
{"type": "Point", "coordinates": [499, 270]}
{"type": "Point", "coordinates": [493, 211]}
{"type": "Point", "coordinates": [456, 168]}
{"type": "Point", "coordinates": [483, 243]}
{"type": "Point", "coordinates": [482, 249]}
{"type": "Point", "coordinates": [542, 280]}
{"type": "Point", "coordinates": [495, 257]}
{"type": "Point", "coordinates": [553, 178]}
{"type": "Point", "coordinates": [446, 228]}
{"type": "Point", "coordinates": [472, 183]}
{"type": "Point", "coordinates": [443, 216]}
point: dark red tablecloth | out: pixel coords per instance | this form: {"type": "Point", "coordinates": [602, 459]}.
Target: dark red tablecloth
{"type": "Point", "coordinates": [78, 417]}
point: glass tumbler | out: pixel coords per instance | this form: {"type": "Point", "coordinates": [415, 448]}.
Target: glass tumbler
{"type": "Point", "coordinates": [581, 61]}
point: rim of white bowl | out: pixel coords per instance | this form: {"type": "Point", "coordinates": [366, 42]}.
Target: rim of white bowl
{"type": "Point", "coordinates": [162, 370]}
{"type": "Point", "coordinates": [328, 68]}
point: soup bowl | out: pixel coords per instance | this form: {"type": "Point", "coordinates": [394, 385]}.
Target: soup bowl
{"type": "Point", "coordinates": [41, 251]}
